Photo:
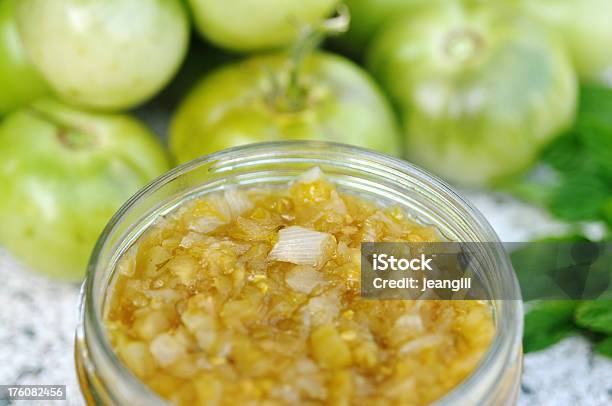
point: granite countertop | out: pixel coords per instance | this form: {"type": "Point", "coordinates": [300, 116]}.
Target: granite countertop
{"type": "Point", "coordinates": [38, 318]}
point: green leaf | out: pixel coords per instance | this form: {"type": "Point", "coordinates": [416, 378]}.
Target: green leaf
{"type": "Point", "coordinates": [581, 159]}
{"type": "Point", "coordinates": [532, 189]}
{"type": "Point", "coordinates": [607, 213]}
{"type": "Point", "coordinates": [598, 141]}
{"type": "Point", "coordinates": [533, 262]}
{"type": "Point", "coordinates": [595, 316]}
{"type": "Point", "coordinates": [580, 198]}
{"type": "Point", "coordinates": [547, 323]}
{"type": "Point", "coordinates": [604, 347]}
{"type": "Point", "coordinates": [595, 101]}
{"type": "Point", "coordinates": [566, 153]}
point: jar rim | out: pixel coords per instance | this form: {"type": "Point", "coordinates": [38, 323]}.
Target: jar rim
{"type": "Point", "coordinates": [506, 341]}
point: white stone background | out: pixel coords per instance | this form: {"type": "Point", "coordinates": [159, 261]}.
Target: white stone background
{"type": "Point", "coordinates": [38, 318]}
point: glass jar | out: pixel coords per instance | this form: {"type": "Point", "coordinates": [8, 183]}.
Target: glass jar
{"type": "Point", "coordinates": [105, 380]}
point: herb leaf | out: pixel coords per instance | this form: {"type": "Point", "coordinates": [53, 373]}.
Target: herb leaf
{"type": "Point", "coordinates": [581, 197]}
{"type": "Point", "coordinates": [581, 163]}
{"type": "Point", "coordinates": [604, 347]}
{"type": "Point", "coordinates": [547, 323]}
{"type": "Point", "coordinates": [595, 316]}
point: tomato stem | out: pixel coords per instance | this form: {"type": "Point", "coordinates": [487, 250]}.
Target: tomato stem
{"type": "Point", "coordinates": [310, 38]}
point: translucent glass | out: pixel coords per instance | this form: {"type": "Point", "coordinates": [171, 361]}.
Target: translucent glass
{"type": "Point", "coordinates": [104, 379]}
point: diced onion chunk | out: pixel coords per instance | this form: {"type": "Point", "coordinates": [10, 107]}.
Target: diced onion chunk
{"type": "Point", "coordinates": [303, 279]}
{"type": "Point", "coordinates": [302, 246]}
{"type": "Point", "coordinates": [237, 201]}
{"type": "Point", "coordinates": [312, 175]}
{"type": "Point", "coordinates": [168, 347]}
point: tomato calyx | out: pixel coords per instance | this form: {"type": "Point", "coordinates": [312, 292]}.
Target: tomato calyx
{"type": "Point", "coordinates": [69, 135]}
{"type": "Point", "coordinates": [288, 90]}
{"type": "Point", "coordinates": [464, 44]}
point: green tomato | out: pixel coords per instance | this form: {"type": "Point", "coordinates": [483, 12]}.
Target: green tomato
{"type": "Point", "coordinates": [19, 81]}
{"type": "Point", "coordinates": [63, 173]}
{"type": "Point", "coordinates": [368, 16]}
{"type": "Point", "coordinates": [240, 104]}
{"type": "Point", "coordinates": [481, 90]}
{"type": "Point", "coordinates": [250, 25]}
{"type": "Point", "coordinates": [106, 54]}
{"type": "Point", "coordinates": [585, 26]}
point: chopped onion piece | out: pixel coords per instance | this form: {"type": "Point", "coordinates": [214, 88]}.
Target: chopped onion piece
{"type": "Point", "coordinates": [237, 201]}
{"type": "Point", "coordinates": [312, 175]}
{"type": "Point", "coordinates": [336, 203]}
{"type": "Point", "coordinates": [411, 321]}
{"type": "Point", "coordinates": [303, 279]}
{"type": "Point", "coordinates": [163, 295]}
{"type": "Point", "coordinates": [127, 266]}
{"type": "Point", "coordinates": [206, 224]}
{"type": "Point", "coordinates": [323, 309]}
{"type": "Point", "coordinates": [190, 239]}
{"type": "Point", "coordinates": [301, 246]}
{"type": "Point", "coordinates": [168, 347]}
{"type": "Point", "coordinates": [425, 341]}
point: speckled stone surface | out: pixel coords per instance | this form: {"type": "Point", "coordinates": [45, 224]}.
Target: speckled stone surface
{"type": "Point", "coordinates": [38, 318]}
